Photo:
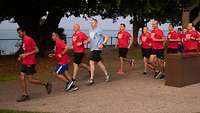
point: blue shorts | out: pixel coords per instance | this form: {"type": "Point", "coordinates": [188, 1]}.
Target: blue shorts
{"type": "Point", "coordinates": [61, 68]}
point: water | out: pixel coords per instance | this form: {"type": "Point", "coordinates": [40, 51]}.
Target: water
{"type": "Point", "coordinates": [10, 42]}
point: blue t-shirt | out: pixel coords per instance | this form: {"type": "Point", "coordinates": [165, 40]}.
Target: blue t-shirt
{"type": "Point", "coordinates": [96, 39]}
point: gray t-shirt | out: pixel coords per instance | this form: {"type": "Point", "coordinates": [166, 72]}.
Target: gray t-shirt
{"type": "Point", "coordinates": [96, 38]}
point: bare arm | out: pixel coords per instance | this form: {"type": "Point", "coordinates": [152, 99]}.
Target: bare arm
{"type": "Point", "coordinates": [116, 43]}
{"type": "Point", "coordinates": [174, 40]}
{"type": "Point", "coordinates": [36, 50]}
{"type": "Point", "coordinates": [131, 42]}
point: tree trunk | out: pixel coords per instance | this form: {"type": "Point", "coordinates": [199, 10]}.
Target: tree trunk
{"type": "Point", "coordinates": [40, 33]}
{"type": "Point", "coordinates": [137, 24]}
{"type": "Point", "coordinates": [46, 30]}
{"type": "Point", "coordinates": [185, 17]}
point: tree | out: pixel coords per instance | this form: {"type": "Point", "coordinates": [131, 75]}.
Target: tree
{"type": "Point", "coordinates": [29, 13]}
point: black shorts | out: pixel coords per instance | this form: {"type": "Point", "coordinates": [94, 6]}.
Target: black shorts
{"type": "Point", "coordinates": [96, 55]}
{"type": "Point", "coordinates": [28, 69]}
{"type": "Point", "coordinates": [194, 50]}
{"type": "Point", "coordinates": [172, 51]}
{"type": "Point", "coordinates": [78, 57]}
{"type": "Point", "coordinates": [146, 52]}
{"type": "Point", "coordinates": [159, 53]}
{"type": "Point", "coordinates": [123, 52]}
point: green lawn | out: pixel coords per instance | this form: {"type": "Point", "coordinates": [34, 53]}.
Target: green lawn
{"type": "Point", "coordinates": [8, 77]}
{"type": "Point", "coordinates": [12, 111]}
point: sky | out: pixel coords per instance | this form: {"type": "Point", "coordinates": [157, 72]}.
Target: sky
{"type": "Point", "coordinates": [67, 23]}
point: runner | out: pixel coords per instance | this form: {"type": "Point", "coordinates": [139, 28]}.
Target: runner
{"type": "Point", "coordinates": [28, 64]}
{"type": "Point", "coordinates": [158, 50]}
{"type": "Point", "coordinates": [61, 70]}
{"type": "Point", "coordinates": [124, 42]}
{"type": "Point", "coordinates": [190, 40]}
{"type": "Point", "coordinates": [79, 39]}
{"type": "Point", "coordinates": [181, 35]}
{"type": "Point", "coordinates": [173, 40]}
{"type": "Point", "coordinates": [97, 42]}
{"type": "Point", "coordinates": [146, 43]}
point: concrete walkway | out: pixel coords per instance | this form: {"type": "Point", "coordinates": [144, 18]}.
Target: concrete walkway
{"type": "Point", "coordinates": [131, 93]}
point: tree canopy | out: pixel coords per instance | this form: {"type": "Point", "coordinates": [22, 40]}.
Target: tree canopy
{"type": "Point", "coordinates": [29, 13]}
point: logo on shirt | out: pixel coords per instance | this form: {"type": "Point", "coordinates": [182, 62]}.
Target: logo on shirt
{"type": "Point", "coordinates": [188, 36]}
{"type": "Point", "coordinates": [144, 38]}
{"type": "Point", "coordinates": [120, 36]}
{"type": "Point", "coordinates": [153, 35]}
{"type": "Point", "coordinates": [74, 38]}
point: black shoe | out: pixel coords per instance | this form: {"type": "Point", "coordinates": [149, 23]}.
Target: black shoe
{"type": "Point", "coordinates": [159, 75]}
{"type": "Point", "coordinates": [162, 77]}
{"type": "Point", "coordinates": [68, 85]}
{"type": "Point", "coordinates": [144, 73]}
{"type": "Point", "coordinates": [156, 73]}
{"type": "Point", "coordinates": [73, 88]}
{"type": "Point", "coordinates": [23, 98]}
{"type": "Point", "coordinates": [48, 87]}
{"type": "Point", "coordinates": [108, 77]}
{"type": "Point", "coordinates": [90, 82]}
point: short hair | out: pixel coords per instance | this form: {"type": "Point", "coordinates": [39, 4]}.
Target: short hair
{"type": "Point", "coordinates": [145, 26]}
{"type": "Point", "coordinates": [21, 29]}
{"type": "Point", "coordinates": [123, 24]}
{"type": "Point", "coordinates": [60, 33]}
{"type": "Point", "coordinates": [93, 19]}
{"type": "Point", "coordinates": [171, 25]}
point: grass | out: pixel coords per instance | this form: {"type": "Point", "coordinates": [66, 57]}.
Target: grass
{"type": "Point", "coordinates": [8, 77]}
{"type": "Point", "coordinates": [13, 111]}
{"type": "Point", "coordinates": [9, 71]}
{"type": "Point", "coordinates": [135, 53]}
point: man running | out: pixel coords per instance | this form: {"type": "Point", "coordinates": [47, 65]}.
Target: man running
{"type": "Point", "coordinates": [124, 42]}
{"type": "Point", "coordinates": [79, 39]}
{"type": "Point", "coordinates": [61, 70]}
{"type": "Point", "coordinates": [146, 43]}
{"type": "Point", "coordinates": [173, 40]}
{"type": "Point", "coordinates": [97, 42]}
{"type": "Point", "coordinates": [158, 49]}
{"type": "Point", "coordinates": [190, 40]}
{"type": "Point", "coordinates": [28, 64]}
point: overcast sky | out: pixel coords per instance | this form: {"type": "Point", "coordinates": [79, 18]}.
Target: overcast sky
{"type": "Point", "coordinates": [67, 23]}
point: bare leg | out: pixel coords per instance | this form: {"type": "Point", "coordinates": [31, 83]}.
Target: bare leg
{"type": "Point", "coordinates": [61, 77]}
{"type": "Point", "coordinates": [34, 81]}
{"type": "Point", "coordinates": [76, 68]}
{"type": "Point", "coordinates": [92, 68]}
{"type": "Point", "coordinates": [67, 76]}
{"type": "Point", "coordinates": [23, 84]}
{"type": "Point", "coordinates": [103, 68]}
{"type": "Point", "coordinates": [121, 64]}
{"type": "Point", "coordinates": [85, 66]}
{"type": "Point", "coordinates": [145, 64]}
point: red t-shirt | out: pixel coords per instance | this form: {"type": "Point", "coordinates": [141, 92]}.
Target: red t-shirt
{"type": "Point", "coordinates": [190, 44]}
{"type": "Point", "coordinates": [157, 34]}
{"type": "Point", "coordinates": [29, 46]}
{"type": "Point", "coordinates": [146, 40]}
{"type": "Point", "coordinates": [181, 36]}
{"type": "Point", "coordinates": [123, 39]}
{"type": "Point", "coordinates": [173, 35]}
{"type": "Point", "coordinates": [59, 48]}
{"type": "Point", "coordinates": [79, 37]}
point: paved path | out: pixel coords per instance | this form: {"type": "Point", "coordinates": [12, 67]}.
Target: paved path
{"type": "Point", "coordinates": [131, 93]}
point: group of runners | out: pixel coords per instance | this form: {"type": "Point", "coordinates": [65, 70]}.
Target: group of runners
{"type": "Point", "coordinates": [152, 48]}
{"type": "Point", "coordinates": [154, 45]}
